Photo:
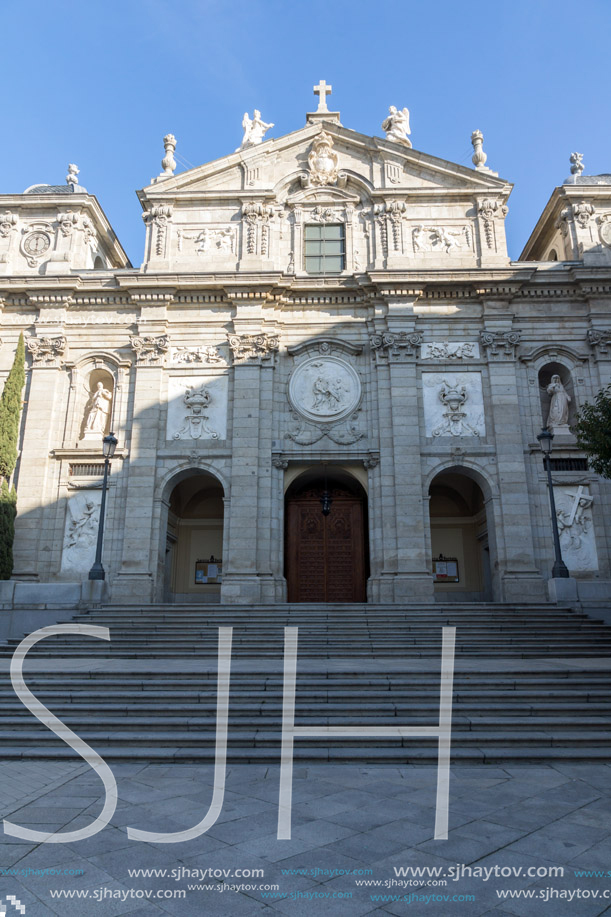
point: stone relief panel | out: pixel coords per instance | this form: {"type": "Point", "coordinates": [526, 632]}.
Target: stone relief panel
{"type": "Point", "coordinates": [189, 356]}
{"type": "Point", "coordinates": [453, 404]}
{"type": "Point", "coordinates": [197, 407]}
{"type": "Point", "coordinates": [325, 395]}
{"type": "Point", "coordinates": [208, 241]}
{"type": "Point", "coordinates": [444, 239]}
{"type": "Point", "coordinates": [450, 350]}
{"type": "Point", "coordinates": [81, 533]}
{"type": "Point", "coordinates": [574, 515]}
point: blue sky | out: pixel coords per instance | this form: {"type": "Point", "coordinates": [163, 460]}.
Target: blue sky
{"type": "Point", "coordinates": [100, 83]}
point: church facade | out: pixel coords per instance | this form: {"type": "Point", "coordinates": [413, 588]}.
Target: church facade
{"type": "Point", "coordinates": [326, 379]}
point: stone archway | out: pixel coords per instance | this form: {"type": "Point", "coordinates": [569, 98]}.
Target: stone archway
{"type": "Point", "coordinates": [326, 556]}
{"type": "Point", "coordinates": [194, 539]}
{"type": "Point", "coordinates": [460, 538]}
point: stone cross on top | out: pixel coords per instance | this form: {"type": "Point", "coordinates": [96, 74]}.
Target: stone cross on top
{"type": "Point", "coordinates": [322, 113]}
{"type": "Point", "coordinates": [322, 91]}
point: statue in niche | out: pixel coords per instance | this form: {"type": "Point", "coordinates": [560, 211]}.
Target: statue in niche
{"type": "Point", "coordinates": [97, 417]}
{"type": "Point", "coordinates": [559, 406]}
{"type": "Point", "coordinates": [254, 129]}
{"type": "Point", "coordinates": [396, 125]}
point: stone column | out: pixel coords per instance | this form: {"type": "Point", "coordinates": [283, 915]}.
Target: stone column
{"type": "Point", "coordinates": [405, 575]}
{"type": "Point", "coordinates": [520, 580]}
{"type": "Point", "coordinates": [42, 431]}
{"type": "Point", "coordinates": [247, 575]}
{"type": "Point", "coordinates": [134, 581]}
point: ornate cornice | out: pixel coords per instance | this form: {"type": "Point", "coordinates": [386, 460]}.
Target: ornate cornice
{"type": "Point", "coordinates": [257, 348]}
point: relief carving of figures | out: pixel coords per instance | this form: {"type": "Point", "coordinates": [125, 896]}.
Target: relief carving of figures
{"type": "Point", "coordinates": [254, 129]}
{"type": "Point", "coordinates": [47, 351]}
{"type": "Point", "coordinates": [196, 400]}
{"type": "Point", "coordinates": [80, 532]}
{"type": "Point", "coordinates": [8, 224]}
{"type": "Point", "coordinates": [149, 349]}
{"type": "Point", "coordinates": [324, 394]}
{"type": "Point", "coordinates": [253, 346]}
{"type": "Point", "coordinates": [325, 215]}
{"type": "Point", "coordinates": [220, 240]}
{"type": "Point", "coordinates": [453, 398]}
{"type": "Point", "coordinates": [190, 355]}
{"type": "Point", "coordinates": [393, 346]}
{"type": "Point", "coordinates": [450, 351]}
{"type": "Point", "coordinates": [323, 163]}
{"type": "Point", "coordinates": [439, 238]}
{"type": "Point", "coordinates": [158, 216]}
{"type": "Point", "coordinates": [559, 406]}
{"type": "Point", "coordinates": [574, 515]}
{"type": "Point", "coordinates": [99, 410]}
{"type": "Point", "coordinates": [396, 125]}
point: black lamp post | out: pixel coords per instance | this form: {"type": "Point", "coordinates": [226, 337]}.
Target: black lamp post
{"type": "Point", "coordinates": [109, 444]}
{"type": "Point", "coordinates": [545, 438]}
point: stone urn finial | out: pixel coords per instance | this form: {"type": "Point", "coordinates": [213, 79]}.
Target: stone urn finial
{"type": "Point", "coordinates": [168, 163]}
{"type": "Point", "coordinates": [479, 157]}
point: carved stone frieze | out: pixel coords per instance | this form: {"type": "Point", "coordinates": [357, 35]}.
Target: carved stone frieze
{"type": "Point", "coordinates": [441, 238]}
{"type": "Point", "coordinates": [500, 344]}
{"type": "Point", "coordinates": [325, 215]}
{"type": "Point", "coordinates": [47, 351]}
{"type": "Point", "coordinates": [259, 347]}
{"type": "Point", "coordinates": [450, 350]}
{"type": "Point", "coordinates": [189, 356]}
{"type": "Point", "coordinates": [158, 216]}
{"type": "Point", "coordinates": [150, 350]}
{"type": "Point", "coordinates": [395, 346]}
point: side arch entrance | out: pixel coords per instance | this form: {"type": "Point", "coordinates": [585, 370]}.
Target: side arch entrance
{"type": "Point", "coordinates": [326, 554]}
{"type": "Point", "coordinates": [193, 564]}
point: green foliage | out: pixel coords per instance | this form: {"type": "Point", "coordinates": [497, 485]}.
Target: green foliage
{"type": "Point", "coordinates": [593, 432]}
{"type": "Point", "coordinates": [10, 411]}
{"type": "Point", "coordinates": [8, 511]}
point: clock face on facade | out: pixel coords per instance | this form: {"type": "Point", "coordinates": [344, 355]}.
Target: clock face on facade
{"type": "Point", "coordinates": [36, 244]}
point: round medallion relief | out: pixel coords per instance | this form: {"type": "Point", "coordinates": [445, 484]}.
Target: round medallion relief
{"type": "Point", "coordinates": [325, 389]}
{"type": "Point", "coordinates": [605, 230]}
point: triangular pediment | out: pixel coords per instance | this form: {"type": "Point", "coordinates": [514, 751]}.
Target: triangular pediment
{"type": "Point", "coordinates": [372, 166]}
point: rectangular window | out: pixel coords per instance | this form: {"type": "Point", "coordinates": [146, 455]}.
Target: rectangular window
{"type": "Point", "coordinates": [325, 248]}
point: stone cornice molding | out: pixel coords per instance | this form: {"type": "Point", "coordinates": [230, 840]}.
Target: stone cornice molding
{"type": "Point", "coordinates": [325, 345]}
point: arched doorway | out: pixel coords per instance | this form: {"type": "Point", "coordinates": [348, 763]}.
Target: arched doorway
{"type": "Point", "coordinates": [460, 543]}
{"type": "Point", "coordinates": [326, 555]}
{"type": "Point", "coordinates": [194, 541]}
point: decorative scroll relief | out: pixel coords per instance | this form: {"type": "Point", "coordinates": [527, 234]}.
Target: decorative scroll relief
{"type": "Point", "coordinates": [500, 344]}
{"type": "Point", "coordinates": [260, 347]}
{"type": "Point", "coordinates": [81, 532]}
{"type": "Point", "coordinates": [446, 350]}
{"type": "Point", "coordinates": [599, 340]}
{"type": "Point", "coordinates": [189, 356]}
{"type": "Point", "coordinates": [210, 241]}
{"type": "Point", "coordinates": [47, 351]}
{"type": "Point", "coordinates": [149, 350]}
{"type": "Point", "coordinates": [453, 404]}
{"type": "Point", "coordinates": [256, 217]}
{"type": "Point", "coordinates": [441, 239]}
{"type": "Point", "coordinates": [197, 407]}
{"type": "Point", "coordinates": [325, 389]}
{"type": "Point", "coordinates": [391, 346]}
{"type": "Point", "coordinates": [489, 211]}
{"type": "Point", "coordinates": [574, 515]}
{"type": "Point", "coordinates": [159, 216]}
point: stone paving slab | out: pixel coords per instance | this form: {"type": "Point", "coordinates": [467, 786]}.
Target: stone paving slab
{"type": "Point", "coordinates": [370, 819]}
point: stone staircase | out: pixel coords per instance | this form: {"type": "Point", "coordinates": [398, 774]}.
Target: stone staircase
{"type": "Point", "coordinates": [531, 683]}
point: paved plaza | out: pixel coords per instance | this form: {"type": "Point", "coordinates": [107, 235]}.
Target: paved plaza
{"type": "Point", "coordinates": [345, 820]}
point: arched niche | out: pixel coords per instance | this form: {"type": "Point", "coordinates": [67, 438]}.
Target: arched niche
{"type": "Point", "coordinates": [462, 542]}
{"type": "Point", "coordinates": [553, 368]}
{"type": "Point", "coordinates": [193, 557]}
{"type": "Point", "coordinates": [97, 399]}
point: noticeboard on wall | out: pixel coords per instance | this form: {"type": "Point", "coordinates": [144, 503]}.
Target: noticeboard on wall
{"type": "Point", "coordinates": [445, 569]}
{"type": "Point", "coordinates": [208, 572]}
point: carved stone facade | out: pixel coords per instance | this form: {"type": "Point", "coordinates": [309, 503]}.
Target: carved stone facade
{"type": "Point", "coordinates": [235, 365]}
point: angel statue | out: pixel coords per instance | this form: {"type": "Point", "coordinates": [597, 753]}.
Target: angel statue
{"type": "Point", "coordinates": [396, 125]}
{"type": "Point", "coordinates": [254, 129]}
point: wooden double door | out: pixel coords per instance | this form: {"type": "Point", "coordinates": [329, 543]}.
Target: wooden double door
{"type": "Point", "coordinates": [326, 556]}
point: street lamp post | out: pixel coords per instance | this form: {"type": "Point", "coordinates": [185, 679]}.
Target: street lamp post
{"type": "Point", "coordinates": [545, 438]}
{"type": "Point", "coordinates": [109, 444]}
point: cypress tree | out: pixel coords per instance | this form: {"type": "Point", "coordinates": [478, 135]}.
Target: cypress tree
{"type": "Point", "coordinates": [10, 412]}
